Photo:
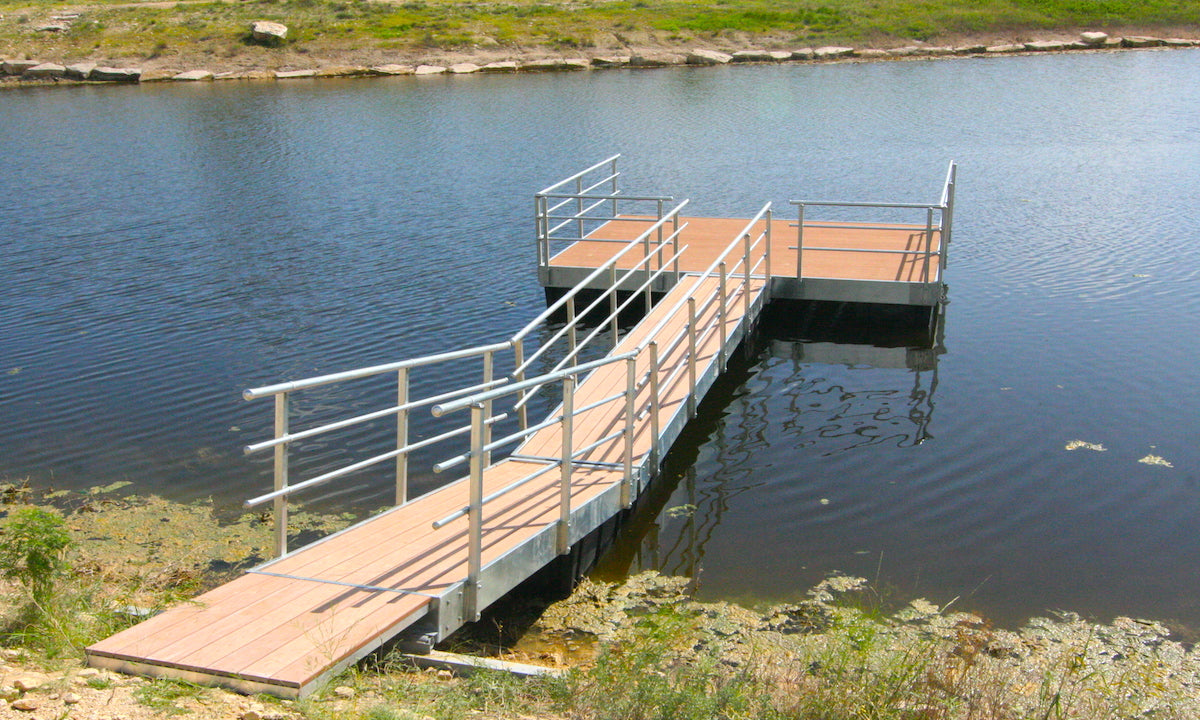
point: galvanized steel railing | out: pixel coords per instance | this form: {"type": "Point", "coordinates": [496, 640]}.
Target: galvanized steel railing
{"type": "Point", "coordinates": [712, 316]}
{"type": "Point", "coordinates": [939, 219]}
{"type": "Point", "coordinates": [660, 248]}
{"type": "Point", "coordinates": [569, 210]}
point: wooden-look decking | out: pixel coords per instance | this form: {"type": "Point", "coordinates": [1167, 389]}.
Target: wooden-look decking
{"type": "Point", "coordinates": [858, 262]}
{"type": "Point", "coordinates": [289, 624]}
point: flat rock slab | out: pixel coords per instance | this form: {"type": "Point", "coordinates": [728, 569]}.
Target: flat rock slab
{"type": "Point", "coordinates": [873, 53]}
{"type": "Point", "coordinates": [18, 67]}
{"type": "Point", "coordinates": [1093, 38]}
{"type": "Point", "coordinates": [556, 65]}
{"type": "Point", "coordinates": [500, 66]}
{"type": "Point", "coordinates": [80, 71]}
{"type": "Point", "coordinates": [653, 60]}
{"type": "Point", "coordinates": [393, 69]}
{"type": "Point", "coordinates": [804, 54]}
{"type": "Point", "coordinates": [831, 52]}
{"type": "Point", "coordinates": [1046, 46]}
{"type": "Point", "coordinates": [340, 71]}
{"type": "Point", "coordinates": [290, 74]}
{"type": "Point", "coordinates": [45, 71]}
{"type": "Point", "coordinates": [112, 74]}
{"type": "Point", "coordinates": [707, 57]}
{"type": "Point", "coordinates": [1004, 48]}
{"type": "Point", "coordinates": [193, 76]}
{"type": "Point", "coordinates": [429, 70]}
{"type": "Point", "coordinates": [464, 68]}
{"type": "Point", "coordinates": [611, 61]}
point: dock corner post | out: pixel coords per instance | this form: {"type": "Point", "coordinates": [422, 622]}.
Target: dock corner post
{"type": "Point", "coordinates": [540, 230]}
{"type": "Point", "coordinates": [928, 243]}
{"type": "Point", "coordinates": [475, 517]}
{"type": "Point", "coordinates": [568, 451]}
{"type": "Point", "coordinates": [722, 301]}
{"type": "Point", "coordinates": [655, 406]}
{"type": "Point", "coordinates": [800, 243]}
{"type": "Point", "coordinates": [746, 282]}
{"type": "Point", "coordinates": [767, 254]}
{"type": "Point", "coordinates": [692, 331]}
{"type": "Point", "coordinates": [281, 473]}
{"type": "Point", "coordinates": [630, 417]}
{"type": "Point", "coordinates": [402, 436]}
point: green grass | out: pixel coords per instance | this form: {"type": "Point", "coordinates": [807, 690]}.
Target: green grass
{"type": "Point", "coordinates": [419, 25]}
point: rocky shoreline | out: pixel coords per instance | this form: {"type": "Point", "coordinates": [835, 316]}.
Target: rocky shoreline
{"type": "Point", "coordinates": [27, 71]}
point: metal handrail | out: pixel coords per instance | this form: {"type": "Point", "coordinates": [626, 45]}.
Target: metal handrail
{"type": "Point", "coordinates": [708, 273]}
{"type": "Point", "coordinates": [268, 390]}
{"type": "Point", "coordinates": [581, 173]}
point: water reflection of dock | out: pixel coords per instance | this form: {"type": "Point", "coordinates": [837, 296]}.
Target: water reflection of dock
{"type": "Point", "coordinates": [670, 532]}
{"type": "Point", "coordinates": [533, 487]}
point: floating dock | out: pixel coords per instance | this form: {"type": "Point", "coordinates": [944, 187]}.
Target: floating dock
{"type": "Point", "coordinates": [531, 487]}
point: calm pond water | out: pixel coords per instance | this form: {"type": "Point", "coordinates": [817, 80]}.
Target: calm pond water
{"type": "Point", "coordinates": [165, 247]}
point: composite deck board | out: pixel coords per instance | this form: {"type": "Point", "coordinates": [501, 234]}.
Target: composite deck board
{"type": "Point", "coordinates": [900, 249]}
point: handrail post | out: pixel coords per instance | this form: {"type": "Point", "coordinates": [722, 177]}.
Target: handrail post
{"type": "Point", "coordinates": [579, 207]}
{"type": "Point", "coordinates": [675, 247]}
{"type": "Point", "coordinates": [475, 517]}
{"type": "Point", "coordinates": [488, 376]}
{"type": "Point", "coordinates": [630, 416]}
{"type": "Point", "coordinates": [612, 307]}
{"type": "Point", "coordinates": [281, 473]}
{"type": "Point", "coordinates": [655, 402]}
{"type": "Point", "coordinates": [928, 242]}
{"type": "Point", "coordinates": [401, 436]}
{"type": "Point", "coordinates": [948, 215]}
{"type": "Point", "coordinates": [746, 283]}
{"type": "Point", "coordinates": [722, 299]}
{"type": "Point", "coordinates": [692, 331]}
{"type": "Point", "coordinates": [568, 449]}
{"type": "Point", "coordinates": [660, 235]}
{"type": "Point", "coordinates": [572, 338]}
{"type": "Point", "coordinates": [518, 361]}
{"type": "Point", "coordinates": [800, 243]}
{"type": "Point", "coordinates": [612, 173]}
{"type": "Point", "coordinates": [767, 251]}
{"type": "Point", "coordinates": [543, 231]}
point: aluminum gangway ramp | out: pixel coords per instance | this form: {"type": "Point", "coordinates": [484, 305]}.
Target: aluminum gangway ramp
{"type": "Point", "coordinates": [289, 625]}
{"type": "Point", "coordinates": [558, 428]}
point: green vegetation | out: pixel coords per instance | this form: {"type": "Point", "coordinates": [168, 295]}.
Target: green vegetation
{"type": "Point", "coordinates": [114, 28]}
{"type": "Point", "coordinates": [652, 652]}
{"type": "Point", "coordinates": [33, 543]}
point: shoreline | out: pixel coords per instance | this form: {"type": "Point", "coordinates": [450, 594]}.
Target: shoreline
{"type": "Point", "coordinates": [34, 72]}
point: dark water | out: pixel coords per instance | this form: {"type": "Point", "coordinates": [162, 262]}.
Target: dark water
{"type": "Point", "coordinates": [164, 248]}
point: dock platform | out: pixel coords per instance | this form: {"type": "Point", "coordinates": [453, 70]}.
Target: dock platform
{"type": "Point", "coordinates": [534, 487]}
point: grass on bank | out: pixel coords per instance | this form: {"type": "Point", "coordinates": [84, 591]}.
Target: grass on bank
{"type": "Point", "coordinates": [115, 28]}
{"type": "Point", "coordinates": [75, 576]}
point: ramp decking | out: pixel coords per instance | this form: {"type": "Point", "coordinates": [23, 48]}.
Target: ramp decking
{"type": "Point", "coordinates": [426, 567]}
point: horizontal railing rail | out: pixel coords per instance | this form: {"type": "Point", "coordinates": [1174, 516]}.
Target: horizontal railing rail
{"type": "Point", "coordinates": [938, 223]}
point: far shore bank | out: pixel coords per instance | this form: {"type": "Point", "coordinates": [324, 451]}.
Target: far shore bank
{"type": "Point", "coordinates": [25, 69]}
